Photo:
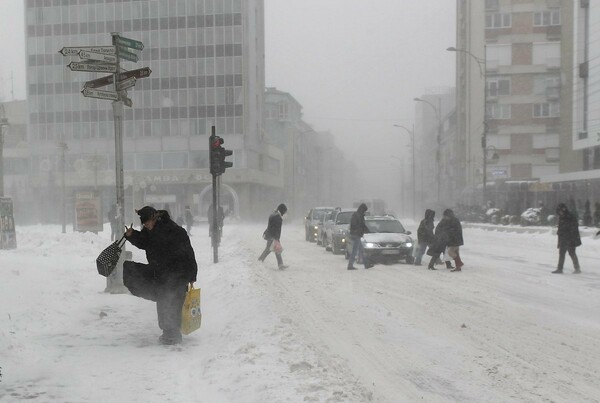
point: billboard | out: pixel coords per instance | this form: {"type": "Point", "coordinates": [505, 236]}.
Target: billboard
{"type": "Point", "coordinates": [88, 211]}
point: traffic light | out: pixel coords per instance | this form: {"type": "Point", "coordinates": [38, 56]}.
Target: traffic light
{"type": "Point", "coordinates": [215, 154]}
{"type": "Point", "coordinates": [218, 165]}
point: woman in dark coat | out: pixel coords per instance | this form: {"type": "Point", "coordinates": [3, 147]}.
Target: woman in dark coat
{"type": "Point", "coordinates": [171, 266]}
{"type": "Point", "coordinates": [568, 237]}
{"type": "Point", "coordinates": [273, 233]}
{"type": "Point", "coordinates": [448, 233]}
{"type": "Point", "coordinates": [424, 235]}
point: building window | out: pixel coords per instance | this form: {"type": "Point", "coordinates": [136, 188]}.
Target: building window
{"type": "Point", "coordinates": [498, 86]}
{"type": "Point", "coordinates": [546, 18]}
{"type": "Point", "coordinates": [498, 20]}
{"type": "Point", "coordinates": [498, 111]}
{"type": "Point", "coordinates": [546, 110]}
{"type": "Point", "coordinates": [491, 4]}
{"type": "Point", "coordinates": [283, 111]}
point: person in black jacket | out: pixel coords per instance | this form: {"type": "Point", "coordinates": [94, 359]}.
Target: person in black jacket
{"type": "Point", "coordinates": [273, 233]}
{"type": "Point", "coordinates": [171, 266]}
{"type": "Point", "coordinates": [568, 237]}
{"type": "Point", "coordinates": [424, 235]}
{"type": "Point", "coordinates": [448, 233]}
{"type": "Point", "coordinates": [357, 229]}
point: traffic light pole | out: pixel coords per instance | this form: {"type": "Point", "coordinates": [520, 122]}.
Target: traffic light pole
{"type": "Point", "coordinates": [215, 233]}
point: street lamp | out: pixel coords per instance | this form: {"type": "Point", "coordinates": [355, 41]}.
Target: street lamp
{"type": "Point", "coordinates": [412, 142]}
{"type": "Point", "coordinates": [437, 111]}
{"type": "Point", "coordinates": [62, 146]}
{"type": "Point", "coordinates": [481, 63]}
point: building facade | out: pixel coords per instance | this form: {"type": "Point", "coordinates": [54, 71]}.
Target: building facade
{"type": "Point", "coordinates": [519, 49]}
{"type": "Point", "coordinates": [207, 62]}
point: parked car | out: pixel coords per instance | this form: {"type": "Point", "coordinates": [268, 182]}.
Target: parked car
{"type": "Point", "coordinates": [335, 232]}
{"type": "Point", "coordinates": [312, 219]}
{"type": "Point", "coordinates": [386, 241]}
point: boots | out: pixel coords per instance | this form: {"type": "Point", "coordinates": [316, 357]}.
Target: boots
{"type": "Point", "coordinates": [459, 264]}
{"type": "Point", "coordinates": [449, 265]}
{"type": "Point", "coordinates": [557, 271]}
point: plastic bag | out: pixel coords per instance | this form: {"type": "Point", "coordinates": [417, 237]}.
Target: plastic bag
{"type": "Point", "coordinates": [191, 314]}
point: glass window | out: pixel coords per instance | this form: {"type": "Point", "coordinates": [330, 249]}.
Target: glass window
{"type": "Point", "coordinates": [148, 161]}
{"type": "Point", "coordinates": [199, 159]}
{"type": "Point", "coordinates": [175, 160]}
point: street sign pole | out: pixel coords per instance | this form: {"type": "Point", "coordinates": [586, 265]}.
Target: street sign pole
{"type": "Point", "coordinates": [114, 282]}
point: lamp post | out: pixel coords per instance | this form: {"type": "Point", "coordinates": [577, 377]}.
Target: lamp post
{"type": "Point", "coordinates": [481, 63]}
{"type": "Point", "coordinates": [412, 144]}
{"type": "Point", "coordinates": [438, 153]}
{"type": "Point", "coordinates": [63, 147]}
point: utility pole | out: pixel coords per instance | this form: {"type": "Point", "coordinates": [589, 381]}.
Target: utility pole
{"type": "Point", "coordinates": [3, 124]}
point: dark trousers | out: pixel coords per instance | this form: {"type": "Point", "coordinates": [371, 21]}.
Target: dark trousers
{"type": "Point", "coordinates": [141, 281]}
{"type": "Point", "coordinates": [266, 252]}
{"type": "Point", "coordinates": [562, 251]}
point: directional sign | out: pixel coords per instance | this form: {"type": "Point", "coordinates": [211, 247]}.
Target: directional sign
{"type": "Point", "coordinates": [127, 102]}
{"type": "Point", "coordinates": [99, 82]}
{"type": "Point", "coordinates": [128, 83]}
{"type": "Point", "coordinates": [74, 51]}
{"type": "Point", "coordinates": [100, 94]}
{"type": "Point", "coordinates": [137, 73]}
{"type": "Point", "coordinates": [129, 43]}
{"type": "Point", "coordinates": [98, 68]}
{"type": "Point", "coordinates": [127, 55]}
{"type": "Point", "coordinates": [101, 57]}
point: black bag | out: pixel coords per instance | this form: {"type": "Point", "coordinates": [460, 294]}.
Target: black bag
{"type": "Point", "coordinates": [108, 258]}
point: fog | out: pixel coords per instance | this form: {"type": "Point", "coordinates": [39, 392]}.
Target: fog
{"type": "Point", "coordinates": [354, 66]}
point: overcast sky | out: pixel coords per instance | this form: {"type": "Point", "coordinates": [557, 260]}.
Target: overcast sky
{"type": "Point", "coordinates": [354, 65]}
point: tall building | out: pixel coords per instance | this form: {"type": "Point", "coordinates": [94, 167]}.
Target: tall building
{"type": "Point", "coordinates": [517, 48]}
{"type": "Point", "coordinates": [207, 62]}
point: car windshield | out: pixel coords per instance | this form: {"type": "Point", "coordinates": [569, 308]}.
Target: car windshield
{"type": "Point", "coordinates": [386, 226]}
{"type": "Point", "coordinates": [319, 214]}
{"type": "Point", "coordinates": [344, 218]}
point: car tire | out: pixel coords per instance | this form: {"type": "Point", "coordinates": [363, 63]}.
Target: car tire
{"type": "Point", "coordinates": [335, 249]}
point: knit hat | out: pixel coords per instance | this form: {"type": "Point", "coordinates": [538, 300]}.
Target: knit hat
{"type": "Point", "coordinates": [282, 208]}
{"type": "Point", "coordinates": [146, 213]}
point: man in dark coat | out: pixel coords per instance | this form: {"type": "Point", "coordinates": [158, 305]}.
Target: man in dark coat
{"type": "Point", "coordinates": [357, 229]}
{"type": "Point", "coordinates": [568, 237]}
{"type": "Point", "coordinates": [273, 233]}
{"type": "Point", "coordinates": [424, 235]}
{"type": "Point", "coordinates": [171, 266]}
{"type": "Point", "coordinates": [448, 233]}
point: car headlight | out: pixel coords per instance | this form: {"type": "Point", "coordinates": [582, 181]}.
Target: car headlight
{"type": "Point", "coordinates": [343, 240]}
{"type": "Point", "coordinates": [408, 244]}
{"type": "Point", "coordinates": [316, 227]}
{"type": "Point", "coordinates": [370, 245]}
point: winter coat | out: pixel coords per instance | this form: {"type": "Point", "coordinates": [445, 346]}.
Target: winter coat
{"type": "Point", "coordinates": [189, 218]}
{"type": "Point", "coordinates": [168, 250]}
{"type": "Point", "coordinates": [448, 232]}
{"type": "Point", "coordinates": [357, 223]}
{"type": "Point", "coordinates": [568, 230]}
{"type": "Point", "coordinates": [425, 231]}
{"type": "Point", "coordinates": [273, 230]}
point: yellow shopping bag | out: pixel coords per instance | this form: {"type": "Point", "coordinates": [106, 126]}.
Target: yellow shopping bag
{"type": "Point", "coordinates": [191, 315]}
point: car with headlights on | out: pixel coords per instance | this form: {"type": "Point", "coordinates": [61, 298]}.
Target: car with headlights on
{"type": "Point", "coordinates": [313, 219]}
{"type": "Point", "coordinates": [336, 229]}
{"type": "Point", "coordinates": [386, 241]}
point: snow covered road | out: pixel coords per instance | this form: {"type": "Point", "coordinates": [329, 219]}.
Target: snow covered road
{"type": "Point", "coordinates": [504, 329]}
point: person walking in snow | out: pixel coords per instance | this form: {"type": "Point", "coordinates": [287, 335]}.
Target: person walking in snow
{"type": "Point", "coordinates": [357, 229]}
{"type": "Point", "coordinates": [448, 233]}
{"type": "Point", "coordinates": [568, 238]}
{"type": "Point", "coordinates": [113, 219]}
{"type": "Point", "coordinates": [189, 219]}
{"type": "Point", "coordinates": [273, 234]}
{"type": "Point", "coordinates": [425, 235]}
{"type": "Point", "coordinates": [171, 267]}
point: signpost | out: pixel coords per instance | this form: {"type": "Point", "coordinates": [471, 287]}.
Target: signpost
{"type": "Point", "coordinates": [100, 94]}
{"type": "Point", "coordinates": [106, 59]}
{"type": "Point", "coordinates": [127, 55]}
{"type": "Point", "coordinates": [84, 54]}
{"type": "Point", "coordinates": [93, 67]}
{"type": "Point", "coordinates": [74, 51]}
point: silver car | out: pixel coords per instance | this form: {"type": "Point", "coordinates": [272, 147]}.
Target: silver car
{"type": "Point", "coordinates": [387, 240]}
